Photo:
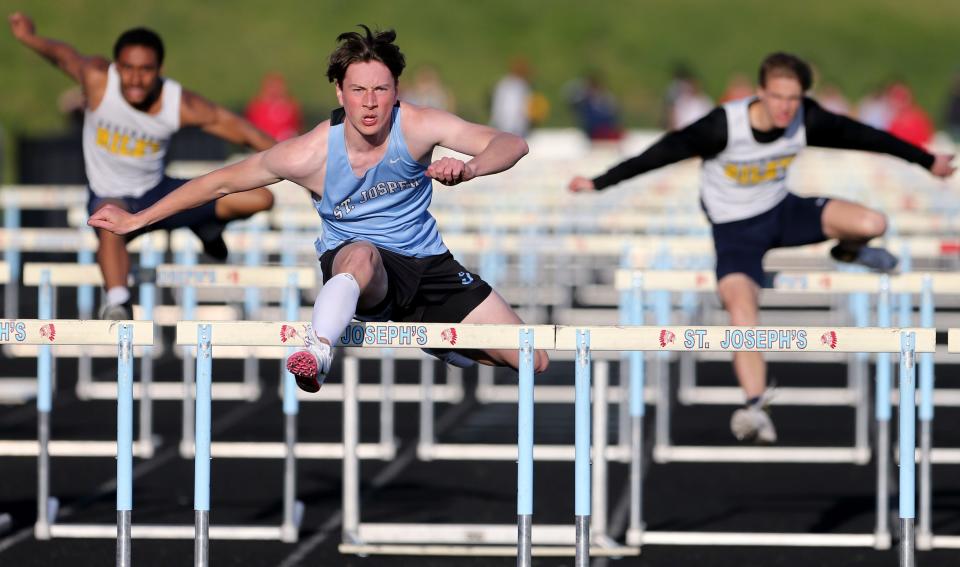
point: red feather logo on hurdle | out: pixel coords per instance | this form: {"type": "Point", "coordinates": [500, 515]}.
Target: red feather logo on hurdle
{"type": "Point", "coordinates": [830, 339]}
{"type": "Point", "coordinates": [49, 331]}
{"type": "Point", "coordinates": [666, 338]}
{"type": "Point", "coordinates": [286, 333]}
{"type": "Point", "coordinates": [449, 335]}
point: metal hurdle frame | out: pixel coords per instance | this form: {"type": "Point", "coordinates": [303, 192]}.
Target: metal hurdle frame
{"type": "Point", "coordinates": [83, 243]}
{"type": "Point", "coordinates": [906, 342]}
{"type": "Point", "coordinates": [637, 282]}
{"type": "Point", "coordinates": [49, 334]}
{"type": "Point", "coordinates": [67, 448]}
{"type": "Point", "coordinates": [187, 278]}
{"type": "Point", "coordinates": [364, 538]}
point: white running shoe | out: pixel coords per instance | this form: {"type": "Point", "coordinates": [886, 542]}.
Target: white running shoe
{"type": "Point", "coordinates": [310, 365]}
{"type": "Point", "coordinates": [753, 423]}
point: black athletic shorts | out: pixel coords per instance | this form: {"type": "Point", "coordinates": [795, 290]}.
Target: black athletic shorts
{"type": "Point", "coordinates": [434, 289]}
{"type": "Point", "coordinates": [741, 244]}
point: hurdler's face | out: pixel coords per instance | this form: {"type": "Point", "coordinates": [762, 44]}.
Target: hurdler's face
{"type": "Point", "coordinates": [139, 73]}
{"type": "Point", "coordinates": [781, 98]}
{"type": "Point", "coordinates": [367, 94]}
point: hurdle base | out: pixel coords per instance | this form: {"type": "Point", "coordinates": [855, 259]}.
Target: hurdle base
{"type": "Point", "coordinates": [944, 542]}
{"type": "Point", "coordinates": [68, 448]}
{"type": "Point", "coordinates": [161, 531]}
{"type": "Point", "coordinates": [759, 454]}
{"type": "Point", "coordinates": [480, 550]}
{"type": "Point", "coordinates": [638, 538]}
{"type": "Point", "coordinates": [508, 452]}
{"type": "Point", "coordinates": [483, 536]}
{"type": "Point", "coordinates": [278, 450]}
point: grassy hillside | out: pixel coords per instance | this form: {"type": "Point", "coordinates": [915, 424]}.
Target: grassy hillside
{"type": "Point", "coordinates": [222, 49]}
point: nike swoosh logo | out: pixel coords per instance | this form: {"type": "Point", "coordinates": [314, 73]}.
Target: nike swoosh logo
{"type": "Point", "coordinates": [394, 160]}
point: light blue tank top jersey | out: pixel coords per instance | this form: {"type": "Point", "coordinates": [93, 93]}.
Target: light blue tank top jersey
{"type": "Point", "coordinates": [386, 207]}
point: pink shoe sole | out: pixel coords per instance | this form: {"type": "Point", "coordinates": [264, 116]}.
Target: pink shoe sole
{"type": "Point", "coordinates": [303, 366]}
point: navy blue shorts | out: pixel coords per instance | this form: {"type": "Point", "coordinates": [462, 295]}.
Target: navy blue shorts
{"type": "Point", "coordinates": [741, 245]}
{"type": "Point", "coordinates": [201, 215]}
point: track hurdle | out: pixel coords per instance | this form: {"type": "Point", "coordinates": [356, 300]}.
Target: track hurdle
{"type": "Point", "coordinates": [49, 334]}
{"type": "Point", "coordinates": [906, 342]}
{"type": "Point", "coordinates": [638, 282]}
{"type": "Point", "coordinates": [187, 278]}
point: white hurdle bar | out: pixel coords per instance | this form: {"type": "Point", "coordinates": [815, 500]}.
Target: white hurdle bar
{"type": "Point", "coordinates": [49, 334]}
{"type": "Point", "coordinates": [907, 342]}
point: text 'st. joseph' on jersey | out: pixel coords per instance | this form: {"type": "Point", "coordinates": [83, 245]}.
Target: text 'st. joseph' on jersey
{"type": "Point", "coordinates": [386, 207]}
{"type": "Point", "coordinates": [124, 148]}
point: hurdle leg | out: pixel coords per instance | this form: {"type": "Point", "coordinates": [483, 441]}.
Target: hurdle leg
{"type": "Point", "coordinates": [663, 407]}
{"type": "Point", "coordinates": [351, 463]}
{"type": "Point", "coordinates": [860, 370]}
{"type": "Point", "coordinates": [187, 437]}
{"type": "Point", "coordinates": [582, 450]}
{"type": "Point", "coordinates": [525, 410]}
{"type": "Point", "coordinates": [124, 446]}
{"type": "Point", "coordinates": [292, 510]}
{"type": "Point", "coordinates": [907, 449]}
{"type": "Point", "coordinates": [146, 404]}
{"type": "Point", "coordinates": [84, 311]}
{"type": "Point", "coordinates": [883, 412]}
{"type": "Point", "coordinates": [427, 435]}
{"type": "Point", "coordinates": [46, 507]}
{"type": "Point", "coordinates": [201, 459]}
{"type": "Point", "coordinates": [637, 409]}
{"type": "Point", "coordinates": [925, 530]}
{"type": "Point", "coordinates": [601, 379]}
{"type": "Point", "coordinates": [388, 367]}
{"type": "Point", "coordinates": [623, 408]}
{"type": "Point", "coordinates": [485, 383]}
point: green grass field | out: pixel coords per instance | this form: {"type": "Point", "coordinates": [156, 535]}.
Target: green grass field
{"type": "Point", "coordinates": [221, 49]}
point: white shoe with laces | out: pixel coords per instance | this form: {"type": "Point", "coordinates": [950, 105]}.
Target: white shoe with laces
{"type": "Point", "coordinates": [310, 365]}
{"type": "Point", "coordinates": [753, 423]}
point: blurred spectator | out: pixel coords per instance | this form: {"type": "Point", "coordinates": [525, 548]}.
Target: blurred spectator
{"type": "Point", "coordinates": [685, 103]}
{"type": "Point", "coordinates": [428, 90]}
{"type": "Point", "coordinates": [739, 86]}
{"type": "Point", "coordinates": [874, 109]}
{"type": "Point", "coordinates": [273, 110]}
{"type": "Point", "coordinates": [831, 99]}
{"type": "Point", "coordinates": [595, 108]}
{"type": "Point", "coordinates": [953, 109]}
{"type": "Point", "coordinates": [510, 107]}
{"type": "Point", "coordinates": [910, 122]}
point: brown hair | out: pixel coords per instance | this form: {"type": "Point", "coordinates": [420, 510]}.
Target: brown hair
{"type": "Point", "coordinates": [355, 47]}
{"type": "Point", "coordinates": [786, 65]}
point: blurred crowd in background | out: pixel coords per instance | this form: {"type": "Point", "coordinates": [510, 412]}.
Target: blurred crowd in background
{"type": "Point", "coordinates": [516, 105]}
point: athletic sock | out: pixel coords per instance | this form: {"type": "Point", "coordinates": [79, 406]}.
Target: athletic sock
{"type": "Point", "coordinates": [118, 295]}
{"type": "Point", "coordinates": [335, 306]}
